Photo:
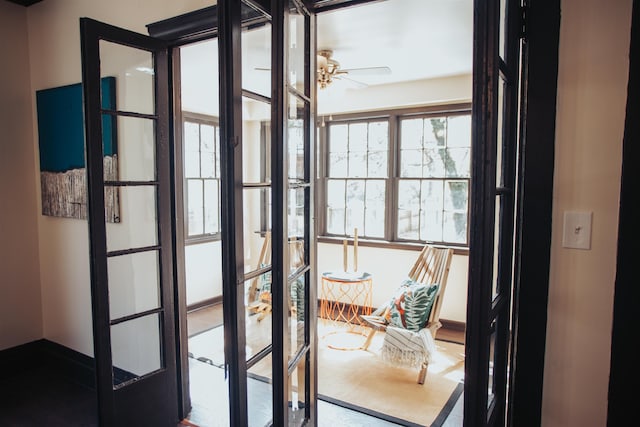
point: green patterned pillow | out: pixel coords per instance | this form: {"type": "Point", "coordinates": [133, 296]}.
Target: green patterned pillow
{"type": "Point", "coordinates": [411, 306]}
{"type": "Point", "coordinates": [265, 280]}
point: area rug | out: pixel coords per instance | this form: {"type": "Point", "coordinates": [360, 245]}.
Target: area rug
{"type": "Point", "coordinates": [360, 380]}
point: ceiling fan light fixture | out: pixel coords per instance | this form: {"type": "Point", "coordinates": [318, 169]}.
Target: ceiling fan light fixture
{"type": "Point", "coordinates": [327, 68]}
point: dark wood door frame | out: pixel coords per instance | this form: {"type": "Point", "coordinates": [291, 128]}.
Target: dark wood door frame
{"type": "Point", "coordinates": [535, 210]}
{"type": "Point", "coordinates": [624, 373]}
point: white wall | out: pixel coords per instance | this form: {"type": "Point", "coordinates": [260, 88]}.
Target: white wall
{"type": "Point", "coordinates": [54, 54]}
{"type": "Point", "coordinates": [443, 90]}
{"type": "Point", "coordinates": [20, 302]}
{"type": "Point", "coordinates": [592, 88]}
{"type": "Point", "coordinates": [389, 267]}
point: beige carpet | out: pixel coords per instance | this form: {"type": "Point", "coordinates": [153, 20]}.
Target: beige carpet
{"type": "Point", "coordinates": [361, 378]}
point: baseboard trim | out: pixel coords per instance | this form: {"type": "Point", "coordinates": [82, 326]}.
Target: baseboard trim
{"type": "Point", "coordinates": [53, 357]}
{"type": "Point", "coordinates": [204, 303]}
{"type": "Point", "coordinates": [453, 325]}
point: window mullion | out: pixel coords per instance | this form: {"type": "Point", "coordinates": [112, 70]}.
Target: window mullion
{"type": "Point", "coordinates": [391, 199]}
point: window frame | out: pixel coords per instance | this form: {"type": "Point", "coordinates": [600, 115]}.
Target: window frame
{"type": "Point", "coordinates": [201, 119]}
{"type": "Point", "coordinates": [393, 116]}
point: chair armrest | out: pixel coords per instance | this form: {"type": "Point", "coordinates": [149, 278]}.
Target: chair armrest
{"type": "Point", "coordinates": [378, 323]}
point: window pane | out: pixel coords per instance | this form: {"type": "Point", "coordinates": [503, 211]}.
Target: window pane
{"type": "Point", "coordinates": [207, 147]}
{"type": "Point", "coordinates": [459, 131]}
{"type": "Point", "coordinates": [297, 382]}
{"type": "Point", "coordinates": [411, 133]}
{"type": "Point", "coordinates": [211, 206]}
{"type": "Point", "coordinates": [454, 229]}
{"type": "Point", "coordinates": [411, 163]}
{"type": "Point", "coordinates": [337, 138]}
{"type": "Point", "coordinates": [433, 160]}
{"type": "Point", "coordinates": [432, 206]}
{"type": "Point", "coordinates": [256, 54]}
{"type": "Point", "coordinates": [135, 69]}
{"type": "Point", "coordinates": [138, 226]}
{"type": "Point", "coordinates": [195, 207]}
{"type": "Point", "coordinates": [191, 150]}
{"type": "Point", "coordinates": [375, 207]}
{"type": "Point", "coordinates": [378, 136]}
{"type": "Point", "coordinates": [358, 137]}
{"type": "Point", "coordinates": [296, 213]}
{"type": "Point", "coordinates": [259, 394]}
{"type": "Point", "coordinates": [358, 164]}
{"type": "Point", "coordinates": [296, 47]}
{"type": "Point", "coordinates": [435, 131]}
{"type": "Point", "coordinates": [377, 164]}
{"type": "Point", "coordinates": [338, 165]}
{"type": "Point", "coordinates": [218, 173]}
{"type": "Point", "coordinates": [134, 283]}
{"type": "Point", "coordinates": [355, 205]}
{"type": "Point", "coordinates": [295, 141]}
{"type": "Point", "coordinates": [335, 206]}
{"type": "Point", "coordinates": [296, 299]}
{"type": "Point", "coordinates": [458, 163]}
{"type": "Point", "coordinates": [135, 348]}
{"type": "Point", "coordinates": [456, 198]}
{"type": "Point", "coordinates": [408, 209]}
{"type": "Point", "coordinates": [258, 297]}
{"type": "Point", "coordinates": [134, 152]}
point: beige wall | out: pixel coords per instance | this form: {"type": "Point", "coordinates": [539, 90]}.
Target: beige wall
{"type": "Point", "coordinates": [20, 304]}
{"type": "Point", "coordinates": [389, 267]}
{"type": "Point", "coordinates": [592, 89]}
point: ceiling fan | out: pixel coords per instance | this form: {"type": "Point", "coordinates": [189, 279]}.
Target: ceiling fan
{"type": "Point", "coordinates": [329, 69]}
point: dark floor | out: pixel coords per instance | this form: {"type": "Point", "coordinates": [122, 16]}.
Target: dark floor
{"type": "Point", "coordinates": [42, 397]}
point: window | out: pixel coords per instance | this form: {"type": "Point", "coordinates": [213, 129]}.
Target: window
{"type": "Point", "coordinates": [202, 177]}
{"type": "Point", "coordinates": [400, 177]}
{"type": "Point", "coordinates": [357, 177]}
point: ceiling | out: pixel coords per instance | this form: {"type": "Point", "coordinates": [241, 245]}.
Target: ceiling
{"type": "Point", "coordinates": [417, 39]}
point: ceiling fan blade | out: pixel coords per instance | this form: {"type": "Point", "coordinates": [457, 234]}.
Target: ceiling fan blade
{"type": "Point", "coordinates": [358, 84]}
{"type": "Point", "coordinates": [367, 71]}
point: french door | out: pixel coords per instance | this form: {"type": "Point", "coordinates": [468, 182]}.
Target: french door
{"type": "Point", "coordinates": [130, 226]}
{"type": "Point", "coordinates": [287, 190]}
{"type": "Point", "coordinates": [133, 259]}
{"type": "Point", "coordinates": [494, 196]}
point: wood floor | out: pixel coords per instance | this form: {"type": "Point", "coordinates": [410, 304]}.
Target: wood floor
{"type": "Point", "coordinates": [209, 317]}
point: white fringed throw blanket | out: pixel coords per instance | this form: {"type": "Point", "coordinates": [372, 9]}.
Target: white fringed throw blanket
{"type": "Point", "coordinates": [402, 347]}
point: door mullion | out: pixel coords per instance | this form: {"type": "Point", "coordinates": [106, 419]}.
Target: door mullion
{"type": "Point", "coordinates": [279, 195]}
{"type": "Point", "coordinates": [229, 17]}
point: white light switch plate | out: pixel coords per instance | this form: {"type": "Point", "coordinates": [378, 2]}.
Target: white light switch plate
{"type": "Point", "coordinates": [577, 230]}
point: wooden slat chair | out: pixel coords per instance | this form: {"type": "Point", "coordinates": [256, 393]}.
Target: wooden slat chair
{"type": "Point", "coordinates": [431, 266]}
{"type": "Point", "coordinates": [261, 304]}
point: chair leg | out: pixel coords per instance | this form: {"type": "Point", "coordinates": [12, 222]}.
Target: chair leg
{"type": "Point", "coordinates": [423, 373]}
{"type": "Point", "coordinates": [367, 342]}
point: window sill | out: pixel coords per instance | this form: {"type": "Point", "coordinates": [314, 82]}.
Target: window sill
{"type": "Point", "coordinates": [207, 238]}
{"type": "Point", "coordinates": [385, 244]}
